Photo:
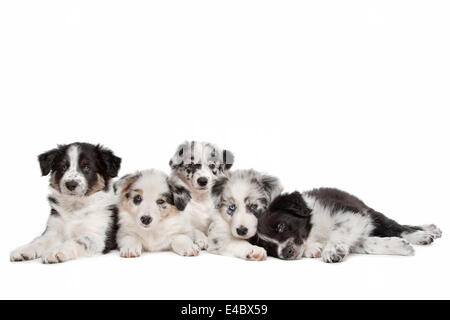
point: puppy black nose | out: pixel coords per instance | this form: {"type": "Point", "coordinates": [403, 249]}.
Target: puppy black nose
{"type": "Point", "coordinates": [288, 252]}
{"type": "Point", "coordinates": [146, 220]}
{"type": "Point", "coordinates": [71, 185]}
{"type": "Point", "coordinates": [202, 181]}
{"type": "Point", "coordinates": [242, 231]}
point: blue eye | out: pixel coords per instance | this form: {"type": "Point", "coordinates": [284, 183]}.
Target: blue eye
{"type": "Point", "coordinates": [232, 207]}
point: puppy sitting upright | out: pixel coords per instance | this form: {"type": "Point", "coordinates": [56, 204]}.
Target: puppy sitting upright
{"type": "Point", "coordinates": [151, 217]}
{"type": "Point", "coordinates": [331, 223]}
{"type": "Point", "coordinates": [240, 199]}
{"type": "Point", "coordinates": [195, 167]}
{"type": "Point", "coordinates": [83, 217]}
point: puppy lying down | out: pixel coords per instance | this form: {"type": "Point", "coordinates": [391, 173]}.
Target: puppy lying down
{"type": "Point", "coordinates": [330, 224]}
{"type": "Point", "coordinates": [151, 216]}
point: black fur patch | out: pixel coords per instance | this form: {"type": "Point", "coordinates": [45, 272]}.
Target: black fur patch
{"type": "Point", "coordinates": [181, 196]}
{"type": "Point", "coordinates": [111, 233]}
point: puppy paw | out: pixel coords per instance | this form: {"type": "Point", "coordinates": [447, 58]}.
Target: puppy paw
{"type": "Point", "coordinates": [188, 251]}
{"type": "Point", "coordinates": [401, 247]}
{"type": "Point", "coordinates": [419, 237]}
{"type": "Point", "coordinates": [313, 250]}
{"type": "Point", "coordinates": [130, 252]}
{"type": "Point", "coordinates": [256, 254]}
{"type": "Point", "coordinates": [23, 254]}
{"type": "Point", "coordinates": [201, 241]}
{"type": "Point", "coordinates": [433, 229]}
{"type": "Point", "coordinates": [334, 253]}
{"type": "Point", "coordinates": [55, 257]}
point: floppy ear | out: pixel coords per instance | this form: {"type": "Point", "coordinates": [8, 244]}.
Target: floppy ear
{"type": "Point", "coordinates": [271, 185]}
{"type": "Point", "coordinates": [292, 203]}
{"type": "Point", "coordinates": [177, 158]}
{"type": "Point", "coordinates": [217, 190]}
{"type": "Point", "coordinates": [47, 160]}
{"type": "Point", "coordinates": [228, 159]}
{"type": "Point", "coordinates": [110, 164]}
{"type": "Point", "coordinates": [123, 184]}
{"type": "Point", "coordinates": [181, 196]}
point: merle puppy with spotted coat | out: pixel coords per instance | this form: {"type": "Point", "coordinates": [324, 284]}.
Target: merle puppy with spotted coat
{"type": "Point", "coordinates": [331, 223]}
{"type": "Point", "coordinates": [83, 214]}
{"type": "Point", "coordinates": [240, 198]}
{"type": "Point", "coordinates": [196, 166]}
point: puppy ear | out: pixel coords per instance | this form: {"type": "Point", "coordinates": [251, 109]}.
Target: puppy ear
{"type": "Point", "coordinates": [217, 190]}
{"type": "Point", "coordinates": [178, 157]}
{"type": "Point", "coordinates": [110, 164]}
{"type": "Point", "coordinates": [181, 196]}
{"type": "Point", "coordinates": [47, 160]}
{"type": "Point", "coordinates": [292, 203]}
{"type": "Point", "coordinates": [123, 184]}
{"type": "Point", "coordinates": [228, 159]}
{"type": "Point", "coordinates": [271, 185]}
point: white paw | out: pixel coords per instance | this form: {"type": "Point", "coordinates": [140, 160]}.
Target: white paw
{"type": "Point", "coordinates": [23, 254]}
{"type": "Point", "coordinates": [256, 254]}
{"type": "Point", "coordinates": [130, 252]}
{"type": "Point", "coordinates": [188, 251]}
{"type": "Point", "coordinates": [419, 237]}
{"type": "Point", "coordinates": [401, 247]}
{"type": "Point", "coordinates": [57, 256]}
{"type": "Point", "coordinates": [313, 250]}
{"type": "Point", "coordinates": [334, 253]}
{"type": "Point", "coordinates": [202, 242]}
{"type": "Point", "coordinates": [433, 229]}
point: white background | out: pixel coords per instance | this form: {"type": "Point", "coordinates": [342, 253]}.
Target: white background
{"type": "Point", "coordinates": [349, 94]}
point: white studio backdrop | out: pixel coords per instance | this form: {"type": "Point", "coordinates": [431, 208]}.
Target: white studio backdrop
{"type": "Point", "coordinates": [347, 94]}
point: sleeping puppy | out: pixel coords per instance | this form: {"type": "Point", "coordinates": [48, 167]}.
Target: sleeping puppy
{"type": "Point", "coordinates": [83, 215]}
{"type": "Point", "coordinates": [151, 216]}
{"type": "Point", "coordinates": [240, 199]}
{"type": "Point", "coordinates": [196, 166]}
{"type": "Point", "coordinates": [330, 223]}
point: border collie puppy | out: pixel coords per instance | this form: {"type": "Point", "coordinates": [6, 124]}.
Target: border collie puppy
{"type": "Point", "coordinates": [331, 223]}
{"type": "Point", "coordinates": [151, 217]}
{"type": "Point", "coordinates": [240, 199]}
{"type": "Point", "coordinates": [196, 166]}
{"type": "Point", "coordinates": [83, 215]}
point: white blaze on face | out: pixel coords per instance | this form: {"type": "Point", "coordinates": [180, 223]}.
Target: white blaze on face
{"type": "Point", "coordinates": [73, 174]}
{"type": "Point", "coordinates": [240, 191]}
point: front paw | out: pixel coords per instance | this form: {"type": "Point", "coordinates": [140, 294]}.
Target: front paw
{"type": "Point", "coordinates": [334, 253]}
{"type": "Point", "coordinates": [201, 241]}
{"type": "Point", "coordinates": [313, 250]}
{"type": "Point", "coordinates": [130, 252]}
{"type": "Point", "coordinates": [23, 254]}
{"type": "Point", "coordinates": [57, 256]}
{"type": "Point", "coordinates": [256, 253]}
{"type": "Point", "coordinates": [188, 250]}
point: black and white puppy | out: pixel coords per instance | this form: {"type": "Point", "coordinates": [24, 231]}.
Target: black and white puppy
{"type": "Point", "coordinates": [331, 223]}
{"type": "Point", "coordinates": [240, 199]}
{"type": "Point", "coordinates": [83, 215]}
{"type": "Point", "coordinates": [150, 219]}
{"type": "Point", "coordinates": [196, 166]}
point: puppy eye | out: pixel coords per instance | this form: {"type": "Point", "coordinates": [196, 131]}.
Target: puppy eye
{"type": "Point", "coordinates": [281, 227]}
{"type": "Point", "coordinates": [254, 208]}
{"type": "Point", "coordinates": [160, 201]}
{"type": "Point", "coordinates": [137, 199]}
{"type": "Point", "coordinates": [86, 168]}
{"type": "Point", "coordinates": [212, 166]}
{"type": "Point", "coordinates": [198, 166]}
{"type": "Point", "coordinates": [64, 167]}
{"type": "Point", "coordinates": [188, 170]}
{"type": "Point", "coordinates": [231, 209]}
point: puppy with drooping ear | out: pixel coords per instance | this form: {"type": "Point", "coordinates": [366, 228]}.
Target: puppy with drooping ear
{"type": "Point", "coordinates": [240, 199]}
{"type": "Point", "coordinates": [331, 223]}
{"type": "Point", "coordinates": [83, 215]}
{"type": "Point", "coordinates": [152, 217]}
